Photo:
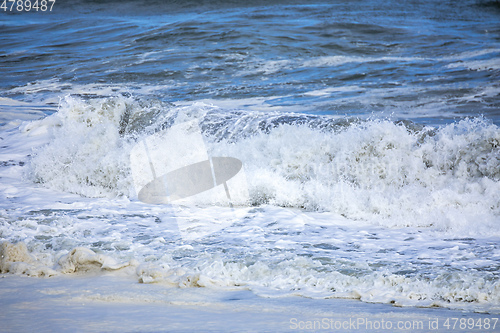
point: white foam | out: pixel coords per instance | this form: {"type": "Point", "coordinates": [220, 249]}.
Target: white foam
{"type": "Point", "coordinates": [267, 67]}
{"type": "Point", "coordinates": [420, 206]}
{"type": "Point", "coordinates": [264, 251]}
{"type": "Point", "coordinates": [87, 155]}
{"type": "Point", "coordinates": [52, 91]}
{"type": "Point", "coordinates": [84, 260]}
{"type": "Point", "coordinates": [329, 91]}
{"type": "Point", "coordinates": [331, 61]}
{"type": "Point", "coordinates": [377, 170]}
{"type": "Point", "coordinates": [15, 259]}
{"type": "Point", "coordinates": [380, 170]}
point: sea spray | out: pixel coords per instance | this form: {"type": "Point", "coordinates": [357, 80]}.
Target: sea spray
{"type": "Point", "coordinates": [393, 173]}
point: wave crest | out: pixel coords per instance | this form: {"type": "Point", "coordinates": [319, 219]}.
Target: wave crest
{"type": "Point", "coordinates": [397, 173]}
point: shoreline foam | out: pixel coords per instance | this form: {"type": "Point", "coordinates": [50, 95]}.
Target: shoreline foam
{"type": "Point", "coordinates": [105, 303]}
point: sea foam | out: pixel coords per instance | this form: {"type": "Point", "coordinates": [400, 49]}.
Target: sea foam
{"type": "Point", "coordinates": [392, 173]}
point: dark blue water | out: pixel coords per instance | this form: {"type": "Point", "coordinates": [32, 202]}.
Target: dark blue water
{"type": "Point", "coordinates": [428, 61]}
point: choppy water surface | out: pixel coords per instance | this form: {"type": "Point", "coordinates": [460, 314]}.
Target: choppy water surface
{"type": "Point", "coordinates": [368, 134]}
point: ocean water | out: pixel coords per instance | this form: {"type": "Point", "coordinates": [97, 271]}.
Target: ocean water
{"type": "Point", "coordinates": [368, 132]}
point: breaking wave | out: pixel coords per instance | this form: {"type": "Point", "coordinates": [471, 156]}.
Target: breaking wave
{"type": "Point", "coordinates": [395, 173]}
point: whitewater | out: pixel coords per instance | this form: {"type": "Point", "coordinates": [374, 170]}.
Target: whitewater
{"type": "Point", "coordinates": [369, 144]}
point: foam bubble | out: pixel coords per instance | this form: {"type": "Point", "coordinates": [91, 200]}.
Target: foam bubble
{"type": "Point", "coordinates": [15, 259]}
{"type": "Point", "coordinates": [85, 260]}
